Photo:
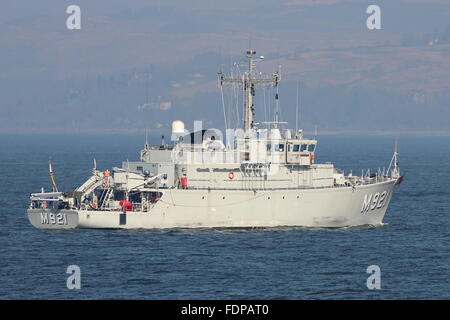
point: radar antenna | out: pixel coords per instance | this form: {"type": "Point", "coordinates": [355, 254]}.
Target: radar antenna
{"type": "Point", "coordinates": [249, 81]}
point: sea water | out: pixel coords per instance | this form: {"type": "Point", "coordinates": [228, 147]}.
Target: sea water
{"type": "Point", "coordinates": [411, 249]}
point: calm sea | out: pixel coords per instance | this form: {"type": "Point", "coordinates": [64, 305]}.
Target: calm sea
{"type": "Point", "coordinates": [412, 249]}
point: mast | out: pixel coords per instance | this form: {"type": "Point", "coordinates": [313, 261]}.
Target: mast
{"type": "Point", "coordinates": [249, 82]}
{"type": "Point", "coordinates": [52, 175]}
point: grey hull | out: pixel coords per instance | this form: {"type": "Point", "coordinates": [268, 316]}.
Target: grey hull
{"type": "Point", "coordinates": [53, 219]}
{"type": "Point", "coordinates": [329, 207]}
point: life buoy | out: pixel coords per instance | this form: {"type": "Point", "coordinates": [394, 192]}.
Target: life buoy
{"type": "Point", "coordinates": [231, 175]}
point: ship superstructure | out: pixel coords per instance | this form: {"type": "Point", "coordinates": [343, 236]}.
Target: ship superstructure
{"type": "Point", "coordinates": [261, 175]}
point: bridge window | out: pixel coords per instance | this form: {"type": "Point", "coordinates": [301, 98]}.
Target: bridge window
{"type": "Point", "coordinates": [296, 147]}
{"type": "Point", "coordinates": [303, 147]}
{"type": "Point", "coordinates": [311, 147]}
{"type": "Point", "coordinates": [280, 147]}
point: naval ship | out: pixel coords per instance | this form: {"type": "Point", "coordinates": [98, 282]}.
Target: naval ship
{"type": "Point", "coordinates": [261, 175]}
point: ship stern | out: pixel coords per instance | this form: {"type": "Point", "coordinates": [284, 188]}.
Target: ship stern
{"type": "Point", "coordinates": [53, 219]}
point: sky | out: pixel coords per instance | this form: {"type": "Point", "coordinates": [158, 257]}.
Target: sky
{"type": "Point", "coordinates": [142, 64]}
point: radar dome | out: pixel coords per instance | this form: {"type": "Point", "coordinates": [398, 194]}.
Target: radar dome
{"type": "Point", "coordinates": [178, 127]}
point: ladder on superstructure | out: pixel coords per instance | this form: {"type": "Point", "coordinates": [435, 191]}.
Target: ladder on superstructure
{"type": "Point", "coordinates": [106, 196]}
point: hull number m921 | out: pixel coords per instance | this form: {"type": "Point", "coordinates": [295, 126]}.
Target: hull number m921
{"type": "Point", "coordinates": [51, 218]}
{"type": "Point", "coordinates": [374, 201]}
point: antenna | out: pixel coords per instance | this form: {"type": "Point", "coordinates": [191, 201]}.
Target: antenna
{"type": "Point", "coordinates": [223, 108]}
{"type": "Point", "coordinates": [277, 108]}
{"type": "Point", "coordinates": [296, 112]}
{"type": "Point", "coordinates": [146, 138]}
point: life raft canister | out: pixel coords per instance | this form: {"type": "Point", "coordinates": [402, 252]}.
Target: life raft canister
{"type": "Point", "coordinates": [231, 175]}
{"type": "Point", "coordinates": [126, 205]}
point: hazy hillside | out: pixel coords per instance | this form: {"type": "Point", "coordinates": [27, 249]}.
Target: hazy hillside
{"type": "Point", "coordinates": [135, 65]}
